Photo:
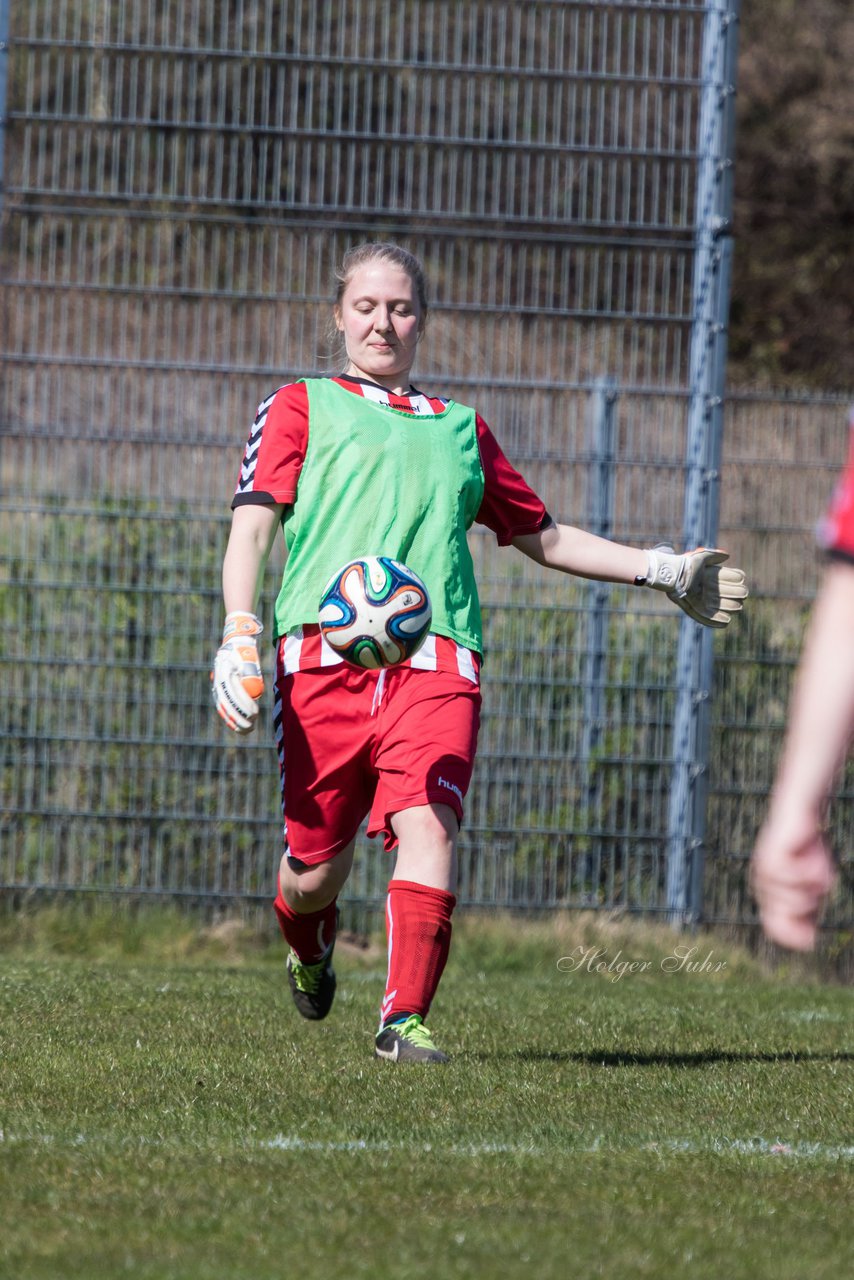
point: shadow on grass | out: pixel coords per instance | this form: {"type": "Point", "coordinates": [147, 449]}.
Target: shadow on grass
{"type": "Point", "coordinates": [610, 1059]}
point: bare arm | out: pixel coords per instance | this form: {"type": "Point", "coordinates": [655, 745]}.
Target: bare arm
{"type": "Point", "coordinates": [237, 682]}
{"type": "Point", "coordinates": [821, 713]}
{"type": "Point", "coordinates": [571, 550]}
{"type": "Point", "coordinates": [792, 869]}
{"type": "Point", "coordinates": [253, 532]}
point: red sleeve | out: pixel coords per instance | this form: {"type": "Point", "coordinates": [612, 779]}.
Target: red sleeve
{"type": "Point", "coordinates": [836, 531]}
{"type": "Point", "coordinates": [509, 507]}
{"type": "Point", "coordinates": [275, 450]}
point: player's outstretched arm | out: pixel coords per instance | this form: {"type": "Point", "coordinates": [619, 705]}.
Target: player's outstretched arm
{"type": "Point", "coordinates": [237, 683]}
{"type": "Point", "coordinates": [699, 581]}
{"type": "Point", "coordinates": [792, 869]}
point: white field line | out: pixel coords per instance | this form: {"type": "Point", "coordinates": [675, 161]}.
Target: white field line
{"type": "Point", "coordinates": [600, 1146]}
{"type": "Point", "coordinates": [681, 1146]}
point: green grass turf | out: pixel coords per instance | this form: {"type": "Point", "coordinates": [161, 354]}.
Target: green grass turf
{"type": "Point", "coordinates": [165, 1113]}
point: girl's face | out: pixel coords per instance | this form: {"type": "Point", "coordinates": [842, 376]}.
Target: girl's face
{"type": "Point", "coordinates": [380, 319]}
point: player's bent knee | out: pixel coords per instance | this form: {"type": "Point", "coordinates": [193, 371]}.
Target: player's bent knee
{"type": "Point", "coordinates": [309, 894]}
{"type": "Point", "coordinates": [308, 887]}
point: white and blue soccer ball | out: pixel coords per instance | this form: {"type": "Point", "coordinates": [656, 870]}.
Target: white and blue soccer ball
{"type": "Point", "coordinates": [375, 612]}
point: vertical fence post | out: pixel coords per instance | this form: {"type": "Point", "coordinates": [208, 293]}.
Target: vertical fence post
{"type": "Point", "coordinates": [687, 804]}
{"type": "Point", "coordinates": [600, 519]}
{"type": "Point", "coordinates": [4, 79]}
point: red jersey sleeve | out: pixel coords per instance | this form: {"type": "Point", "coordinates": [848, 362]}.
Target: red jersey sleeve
{"type": "Point", "coordinates": [836, 531]}
{"type": "Point", "coordinates": [509, 507]}
{"type": "Point", "coordinates": [275, 450]}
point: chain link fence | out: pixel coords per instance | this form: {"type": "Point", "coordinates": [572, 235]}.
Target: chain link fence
{"type": "Point", "coordinates": [180, 182]}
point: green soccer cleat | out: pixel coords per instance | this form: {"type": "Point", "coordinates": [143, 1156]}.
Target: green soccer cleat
{"type": "Point", "coordinates": [407, 1041]}
{"type": "Point", "coordinates": [312, 985]}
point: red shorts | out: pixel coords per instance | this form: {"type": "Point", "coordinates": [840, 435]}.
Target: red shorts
{"type": "Point", "coordinates": [354, 742]}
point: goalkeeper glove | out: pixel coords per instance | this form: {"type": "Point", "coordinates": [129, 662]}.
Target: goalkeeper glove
{"type": "Point", "coordinates": [698, 583]}
{"type": "Point", "coordinates": [236, 680]}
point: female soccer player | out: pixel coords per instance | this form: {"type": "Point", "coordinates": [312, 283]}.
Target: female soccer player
{"type": "Point", "coordinates": [365, 463]}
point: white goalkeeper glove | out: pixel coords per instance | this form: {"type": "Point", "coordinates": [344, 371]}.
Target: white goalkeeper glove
{"type": "Point", "coordinates": [698, 583]}
{"type": "Point", "coordinates": [236, 680]}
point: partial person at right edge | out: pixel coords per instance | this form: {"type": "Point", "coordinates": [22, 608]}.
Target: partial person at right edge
{"type": "Point", "coordinates": [793, 868]}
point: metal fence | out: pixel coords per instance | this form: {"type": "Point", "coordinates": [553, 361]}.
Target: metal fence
{"type": "Point", "coordinates": [179, 182]}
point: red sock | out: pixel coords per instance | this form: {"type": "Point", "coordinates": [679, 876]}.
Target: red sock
{"type": "Point", "coordinates": [308, 935]}
{"type": "Point", "coordinates": [418, 920]}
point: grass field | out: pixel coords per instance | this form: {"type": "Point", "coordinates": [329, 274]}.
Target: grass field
{"type": "Point", "coordinates": [165, 1113]}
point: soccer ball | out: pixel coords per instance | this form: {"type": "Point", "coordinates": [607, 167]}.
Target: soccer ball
{"type": "Point", "coordinates": [375, 612]}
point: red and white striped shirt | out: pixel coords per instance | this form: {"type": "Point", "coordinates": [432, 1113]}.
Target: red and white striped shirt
{"type": "Point", "coordinates": [305, 649]}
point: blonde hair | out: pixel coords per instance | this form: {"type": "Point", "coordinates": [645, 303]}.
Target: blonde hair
{"type": "Point", "coordinates": [382, 251]}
